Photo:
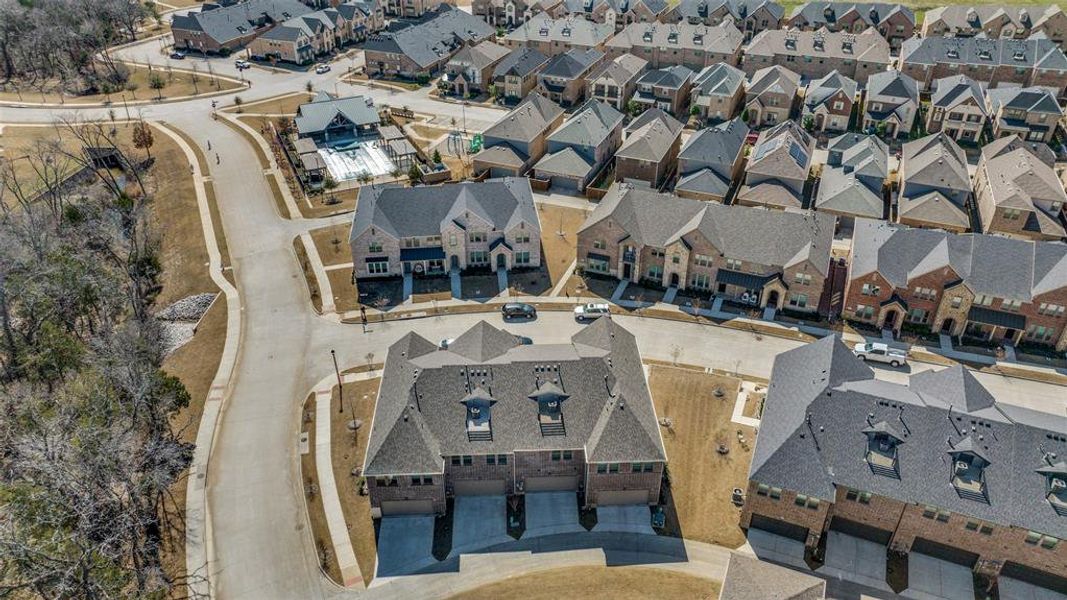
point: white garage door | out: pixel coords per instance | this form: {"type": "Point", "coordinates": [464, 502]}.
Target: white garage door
{"type": "Point", "coordinates": [622, 497]}
{"type": "Point", "coordinates": [406, 507]}
{"type": "Point", "coordinates": [472, 487]}
{"type": "Point", "coordinates": [551, 484]}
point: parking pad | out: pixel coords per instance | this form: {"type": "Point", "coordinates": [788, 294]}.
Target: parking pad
{"type": "Point", "coordinates": [404, 544]}
{"type": "Point", "coordinates": [1013, 589]}
{"type": "Point", "coordinates": [930, 578]}
{"type": "Point", "coordinates": [777, 548]}
{"type": "Point", "coordinates": [628, 518]}
{"type": "Point", "coordinates": [855, 559]}
{"type": "Point", "coordinates": [551, 512]}
{"type": "Point", "coordinates": [478, 522]}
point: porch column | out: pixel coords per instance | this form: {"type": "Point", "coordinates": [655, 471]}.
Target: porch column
{"type": "Point", "coordinates": [992, 332]}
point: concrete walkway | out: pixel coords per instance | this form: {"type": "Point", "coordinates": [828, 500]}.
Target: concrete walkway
{"type": "Point", "coordinates": [502, 282]}
{"type": "Point", "coordinates": [620, 289]}
{"type": "Point", "coordinates": [322, 280]}
{"type": "Point", "coordinates": [738, 416]}
{"type": "Point", "coordinates": [562, 283]}
{"type": "Point", "coordinates": [457, 284]}
{"type": "Point", "coordinates": [408, 287]}
{"type": "Point", "coordinates": [672, 293]}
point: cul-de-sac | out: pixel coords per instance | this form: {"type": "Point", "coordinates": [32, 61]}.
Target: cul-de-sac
{"type": "Point", "coordinates": [533, 300]}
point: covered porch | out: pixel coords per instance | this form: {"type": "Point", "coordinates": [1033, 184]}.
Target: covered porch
{"type": "Point", "coordinates": [995, 325]}
{"type": "Point", "coordinates": [423, 261]}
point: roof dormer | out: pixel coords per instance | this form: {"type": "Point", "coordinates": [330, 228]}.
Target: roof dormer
{"type": "Point", "coordinates": [882, 442]}
{"type": "Point", "coordinates": [549, 397]}
{"type": "Point", "coordinates": [1055, 475]}
{"type": "Point", "coordinates": [968, 470]}
{"type": "Point", "coordinates": [479, 405]}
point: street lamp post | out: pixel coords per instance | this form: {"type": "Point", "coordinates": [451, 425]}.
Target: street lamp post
{"type": "Point", "coordinates": [340, 388]}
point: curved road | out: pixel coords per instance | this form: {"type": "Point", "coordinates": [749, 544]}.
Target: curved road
{"type": "Point", "coordinates": [261, 547]}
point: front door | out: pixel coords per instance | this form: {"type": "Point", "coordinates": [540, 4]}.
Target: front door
{"type": "Point", "coordinates": [455, 261]}
{"type": "Point", "coordinates": [674, 279]}
{"type": "Point", "coordinates": [627, 270]}
{"type": "Point", "coordinates": [501, 261]}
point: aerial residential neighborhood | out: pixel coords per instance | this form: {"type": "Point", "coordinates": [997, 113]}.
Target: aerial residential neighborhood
{"type": "Point", "coordinates": [538, 299]}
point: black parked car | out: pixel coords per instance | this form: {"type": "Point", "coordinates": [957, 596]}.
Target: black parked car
{"type": "Point", "coordinates": [518, 309]}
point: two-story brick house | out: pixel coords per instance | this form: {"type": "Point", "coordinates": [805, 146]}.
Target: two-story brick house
{"type": "Point", "coordinates": [894, 22]}
{"type": "Point", "coordinates": [422, 49]}
{"type": "Point", "coordinates": [718, 91]}
{"type": "Point", "coordinates": [564, 79]}
{"type": "Point", "coordinates": [490, 416]}
{"type": "Point", "coordinates": [615, 80]}
{"type": "Point", "coordinates": [470, 71]}
{"type": "Point", "coordinates": [649, 151]}
{"type": "Point", "coordinates": [618, 13]}
{"type": "Point", "coordinates": [431, 230]}
{"type": "Point", "coordinates": [932, 471]}
{"type": "Point", "coordinates": [813, 54]}
{"type": "Point", "coordinates": [1031, 113]}
{"type": "Point", "coordinates": [516, 75]}
{"type": "Point", "coordinates": [935, 185]}
{"type": "Point", "coordinates": [994, 62]}
{"type": "Point", "coordinates": [666, 89]}
{"type": "Point", "coordinates": [581, 147]}
{"type": "Point", "coordinates": [828, 102]}
{"type": "Point", "coordinates": [512, 145]}
{"type": "Point", "coordinates": [770, 95]}
{"type": "Point", "coordinates": [778, 167]}
{"type": "Point", "coordinates": [711, 162]}
{"type": "Point", "coordinates": [892, 103]}
{"type": "Point", "coordinates": [760, 257]}
{"type": "Point", "coordinates": [551, 36]}
{"type": "Point", "coordinates": [988, 287]}
{"type": "Point", "coordinates": [853, 182]}
{"type": "Point", "coordinates": [749, 16]}
{"type": "Point", "coordinates": [1017, 191]}
{"type": "Point", "coordinates": [958, 106]}
{"type": "Point", "coordinates": [665, 45]}
{"type": "Point", "coordinates": [301, 39]}
{"type": "Point", "coordinates": [509, 13]}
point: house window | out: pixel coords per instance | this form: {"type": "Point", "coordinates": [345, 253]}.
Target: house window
{"type": "Point", "coordinates": [568, 455]}
{"type": "Point", "coordinates": [917, 315]}
{"type": "Point", "coordinates": [479, 257]}
{"type": "Point", "coordinates": [599, 244]}
{"type": "Point", "coordinates": [1011, 305]}
{"type": "Point", "coordinates": [929, 512]}
{"type": "Point", "coordinates": [957, 301]}
{"type": "Point", "coordinates": [455, 461]}
{"type": "Point", "coordinates": [1048, 542]}
{"type": "Point", "coordinates": [701, 281]}
{"type": "Point", "coordinates": [477, 236]}
{"type": "Point", "coordinates": [522, 238]}
{"type": "Point", "coordinates": [864, 312]}
{"type": "Point", "coordinates": [1054, 310]}
{"type": "Point", "coordinates": [1011, 214]}
{"type": "Point", "coordinates": [1033, 537]}
{"type": "Point", "coordinates": [490, 459]}
{"type": "Point", "coordinates": [733, 264]}
{"type": "Point", "coordinates": [597, 265]}
{"type": "Point", "coordinates": [701, 260]}
{"type": "Point", "coordinates": [613, 468]}
{"type": "Point", "coordinates": [421, 480]}
{"type": "Point", "coordinates": [776, 493]}
{"type": "Point", "coordinates": [1039, 333]}
{"type": "Point", "coordinates": [655, 272]}
{"type": "Point", "coordinates": [452, 239]}
{"type": "Point", "coordinates": [762, 489]}
{"type": "Point", "coordinates": [800, 500]}
{"type": "Point", "coordinates": [411, 243]}
{"type": "Point", "coordinates": [522, 258]}
{"type": "Point", "coordinates": [869, 289]}
{"type": "Point", "coordinates": [375, 247]}
{"type": "Point", "coordinates": [942, 515]}
{"type": "Point", "coordinates": [378, 267]}
{"type": "Point", "coordinates": [675, 259]}
{"type": "Point", "coordinates": [925, 293]}
{"type": "Point", "coordinates": [557, 455]}
{"type": "Point", "coordinates": [798, 300]}
{"type": "Point", "coordinates": [501, 459]}
{"type": "Point", "coordinates": [983, 300]}
{"type": "Point", "coordinates": [602, 468]}
{"type": "Point", "coordinates": [802, 279]}
{"type": "Point", "coordinates": [838, 105]}
{"type": "Point", "coordinates": [468, 460]}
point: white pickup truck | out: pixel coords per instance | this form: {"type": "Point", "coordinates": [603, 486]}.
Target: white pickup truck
{"type": "Point", "coordinates": [878, 352]}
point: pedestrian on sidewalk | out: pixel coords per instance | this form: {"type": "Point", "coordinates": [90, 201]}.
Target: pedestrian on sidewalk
{"type": "Point", "coordinates": [209, 145]}
{"type": "Point", "coordinates": [218, 161]}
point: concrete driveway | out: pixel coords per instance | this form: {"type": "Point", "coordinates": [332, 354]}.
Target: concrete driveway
{"type": "Point", "coordinates": [551, 512]}
{"type": "Point", "coordinates": [404, 544]}
{"type": "Point", "coordinates": [628, 518]}
{"type": "Point", "coordinates": [478, 522]}
{"type": "Point", "coordinates": [855, 559]}
{"type": "Point", "coordinates": [1013, 589]}
{"type": "Point", "coordinates": [777, 548]}
{"type": "Point", "coordinates": [931, 578]}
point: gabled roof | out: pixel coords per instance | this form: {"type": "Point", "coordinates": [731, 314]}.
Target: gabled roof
{"type": "Point", "coordinates": [772, 238]}
{"type": "Point", "coordinates": [718, 39]}
{"type": "Point", "coordinates": [621, 70]}
{"type": "Point", "coordinates": [698, 10]}
{"type": "Point", "coordinates": [481, 55]}
{"type": "Point", "coordinates": [783, 151]}
{"type": "Point", "coordinates": [572, 63]}
{"type": "Point", "coordinates": [316, 115]}
{"type": "Point", "coordinates": [1029, 53]}
{"type": "Point", "coordinates": [589, 126]}
{"type": "Point", "coordinates": [844, 193]}
{"type": "Point", "coordinates": [821, 90]}
{"type": "Point", "coordinates": [672, 77]}
{"type": "Point", "coordinates": [821, 398]}
{"type": "Point", "coordinates": [974, 17]}
{"type": "Point", "coordinates": [936, 161]}
{"type": "Point", "coordinates": [775, 79]}
{"type": "Point", "coordinates": [950, 92]}
{"type": "Point", "coordinates": [526, 121]}
{"type": "Point", "coordinates": [420, 418]}
{"type": "Point", "coordinates": [565, 162]}
{"type": "Point", "coordinates": [229, 23]}
{"type": "Point", "coordinates": [868, 46]}
{"type": "Point", "coordinates": [434, 38]}
{"type": "Point", "coordinates": [1018, 178]}
{"type": "Point", "coordinates": [719, 79]}
{"type": "Point", "coordinates": [716, 147]}
{"type": "Point", "coordinates": [819, 14]}
{"type": "Point", "coordinates": [575, 31]}
{"type": "Point", "coordinates": [651, 136]}
{"type": "Point", "coordinates": [621, 7]}
{"type": "Point", "coordinates": [892, 85]}
{"type": "Point", "coordinates": [1030, 99]}
{"type": "Point", "coordinates": [521, 62]}
{"type": "Point", "coordinates": [403, 212]}
{"type": "Point", "coordinates": [987, 264]}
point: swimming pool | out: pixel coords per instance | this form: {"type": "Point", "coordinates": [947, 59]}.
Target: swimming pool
{"type": "Point", "coordinates": [349, 161]}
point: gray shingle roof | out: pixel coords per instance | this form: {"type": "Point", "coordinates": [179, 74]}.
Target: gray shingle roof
{"type": "Point", "coordinates": [783, 151]}
{"type": "Point", "coordinates": [651, 136]}
{"type": "Point", "coordinates": [565, 162]}
{"type": "Point", "coordinates": [572, 63]}
{"type": "Point", "coordinates": [672, 77]}
{"type": "Point", "coordinates": [935, 183]}
{"type": "Point", "coordinates": [988, 264]}
{"type": "Point", "coordinates": [819, 14]}
{"type": "Point", "coordinates": [521, 62]}
{"type": "Point", "coordinates": [1030, 99]}
{"type": "Point", "coordinates": [958, 16]}
{"type": "Point", "coordinates": [868, 46]}
{"type": "Point", "coordinates": [844, 193]}
{"type": "Point", "coordinates": [434, 38]}
{"type": "Point", "coordinates": [775, 79]}
{"type": "Point", "coordinates": [589, 126]}
{"type": "Point", "coordinates": [422, 211]}
{"type": "Point", "coordinates": [897, 92]}
{"type": "Point", "coordinates": [526, 121]}
{"type": "Point", "coordinates": [316, 115]}
{"type": "Point", "coordinates": [621, 70]}
{"type": "Point", "coordinates": [773, 238]}
{"type": "Point", "coordinates": [606, 405]}
{"type": "Point", "coordinates": [1040, 53]}
{"type": "Point", "coordinates": [719, 39]}
{"type": "Point", "coordinates": [950, 92]}
{"type": "Point", "coordinates": [480, 55]}
{"type": "Point", "coordinates": [738, 9]}
{"type": "Point", "coordinates": [821, 398]}
{"type": "Point", "coordinates": [716, 148]}
{"type": "Point", "coordinates": [821, 90]}
{"type": "Point", "coordinates": [235, 21]}
{"type": "Point", "coordinates": [719, 79]}
{"type": "Point", "coordinates": [587, 7]}
{"type": "Point", "coordinates": [1019, 178]}
{"type": "Point", "coordinates": [576, 31]}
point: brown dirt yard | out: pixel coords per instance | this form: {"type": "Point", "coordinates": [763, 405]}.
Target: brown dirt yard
{"type": "Point", "coordinates": [558, 251]}
{"type": "Point", "coordinates": [332, 244]}
{"type": "Point", "coordinates": [597, 583]}
{"type": "Point", "coordinates": [348, 450]}
{"type": "Point", "coordinates": [702, 480]}
{"type": "Point", "coordinates": [279, 105]}
{"type": "Point", "coordinates": [316, 513]}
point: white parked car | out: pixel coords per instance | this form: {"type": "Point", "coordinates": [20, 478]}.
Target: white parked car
{"type": "Point", "coordinates": [319, 70]}
{"type": "Point", "coordinates": [588, 312]}
{"type": "Point", "coordinates": [241, 64]}
{"type": "Point", "coordinates": [879, 352]}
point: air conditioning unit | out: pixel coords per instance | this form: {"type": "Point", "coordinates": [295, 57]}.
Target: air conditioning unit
{"type": "Point", "coordinates": [962, 466]}
{"type": "Point", "coordinates": [1058, 484]}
